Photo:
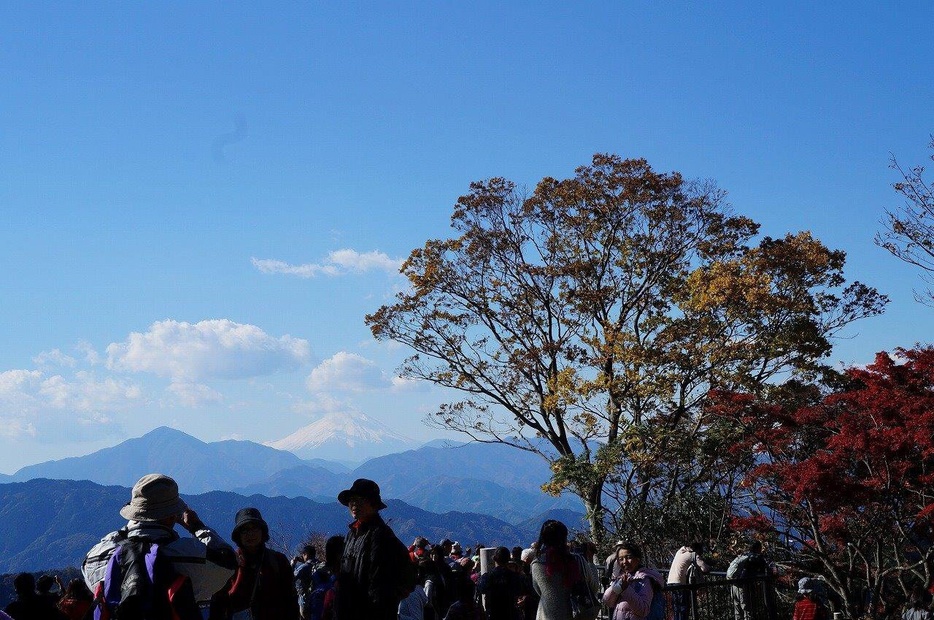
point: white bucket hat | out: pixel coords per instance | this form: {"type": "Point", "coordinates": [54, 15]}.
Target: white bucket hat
{"type": "Point", "coordinates": [155, 497]}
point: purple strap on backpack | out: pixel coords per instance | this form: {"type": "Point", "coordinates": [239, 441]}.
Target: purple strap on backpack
{"type": "Point", "coordinates": [113, 581]}
{"type": "Point", "coordinates": [151, 562]}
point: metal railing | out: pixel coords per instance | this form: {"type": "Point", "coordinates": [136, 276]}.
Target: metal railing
{"type": "Point", "coordinates": [718, 598]}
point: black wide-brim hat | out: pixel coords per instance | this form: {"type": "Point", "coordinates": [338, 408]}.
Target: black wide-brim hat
{"type": "Point", "coordinates": [245, 516]}
{"type": "Point", "coordinates": [364, 488]}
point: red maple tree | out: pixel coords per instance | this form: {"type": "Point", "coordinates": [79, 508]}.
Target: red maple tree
{"type": "Point", "coordinates": [846, 477]}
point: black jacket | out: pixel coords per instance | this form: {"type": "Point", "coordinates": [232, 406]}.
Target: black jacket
{"type": "Point", "coordinates": [502, 589]}
{"type": "Point", "coordinates": [368, 583]}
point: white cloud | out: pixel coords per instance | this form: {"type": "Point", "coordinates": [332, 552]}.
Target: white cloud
{"type": "Point", "coordinates": [194, 394]}
{"type": "Point", "coordinates": [91, 356]}
{"type": "Point", "coordinates": [54, 358]}
{"type": "Point", "coordinates": [13, 381]}
{"type": "Point", "coordinates": [338, 263]}
{"type": "Point", "coordinates": [324, 404]}
{"type": "Point", "coordinates": [347, 372]}
{"type": "Point", "coordinates": [401, 383]}
{"type": "Point", "coordinates": [89, 394]}
{"type": "Point", "coordinates": [16, 428]}
{"type": "Point", "coordinates": [220, 349]}
{"type": "Point", "coordinates": [42, 407]}
{"type": "Point", "coordinates": [18, 398]}
{"type": "Point", "coordinates": [309, 270]}
{"type": "Point", "coordinates": [390, 346]}
{"type": "Point", "coordinates": [96, 418]}
{"type": "Point", "coordinates": [368, 261]}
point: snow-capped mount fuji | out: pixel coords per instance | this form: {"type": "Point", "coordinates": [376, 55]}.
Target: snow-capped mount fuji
{"type": "Point", "coordinates": [353, 437]}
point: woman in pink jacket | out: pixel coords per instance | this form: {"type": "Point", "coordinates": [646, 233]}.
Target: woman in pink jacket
{"type": "Point", "coordinates": [630, 594]}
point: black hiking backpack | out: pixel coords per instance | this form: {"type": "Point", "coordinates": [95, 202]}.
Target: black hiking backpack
{"type": "Point", "coordinates": [140, 584]}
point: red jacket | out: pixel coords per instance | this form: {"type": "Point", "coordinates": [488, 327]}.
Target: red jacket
{"type": "Point", "coordinates": [807, 609]}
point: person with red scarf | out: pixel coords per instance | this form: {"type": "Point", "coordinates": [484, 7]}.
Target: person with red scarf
{"type": "Point", "coordinates": [262, 588]}
{"type": "Point", "coordinates": [77, 600]}
{"type": "Point", "coordinates": [555, 570]}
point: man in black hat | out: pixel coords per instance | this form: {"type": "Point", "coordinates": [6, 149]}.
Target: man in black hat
{"type": "Point", "coordinates": [375, 567]}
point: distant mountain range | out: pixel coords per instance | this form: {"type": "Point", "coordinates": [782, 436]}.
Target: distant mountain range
{"type": "Point", "coordinates": [481, 478]}
{"type": "Point", "coordinates": [438, 490]}
{"type": "Point", "coordinates": [53, 523]}
{"type": "Point", "coordinates": [197, 466]}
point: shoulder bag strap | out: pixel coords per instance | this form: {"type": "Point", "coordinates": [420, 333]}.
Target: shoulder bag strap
{"type": "Point", "coordinates": [259, 572]}
{"type": "Point", "coordinates": [585, 575]}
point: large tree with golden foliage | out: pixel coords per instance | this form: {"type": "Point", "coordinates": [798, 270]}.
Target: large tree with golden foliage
{"type": "Point", "coordinates": [588, 320]}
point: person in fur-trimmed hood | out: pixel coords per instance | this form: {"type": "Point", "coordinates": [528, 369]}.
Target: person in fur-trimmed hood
{"type": "Point", "coordinates": [630, 593]}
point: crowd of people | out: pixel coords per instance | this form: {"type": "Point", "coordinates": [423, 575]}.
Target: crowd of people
{"type": "Point", "coordinates": [146, 570]}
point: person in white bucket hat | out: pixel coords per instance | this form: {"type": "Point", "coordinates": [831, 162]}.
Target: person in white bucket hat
{"type": "Point", "coordinates": [152, 513]}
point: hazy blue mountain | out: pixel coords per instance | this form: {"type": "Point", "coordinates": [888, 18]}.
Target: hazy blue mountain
{"type": "Point", "coordinates": [196, 465]}
{"type": "Point", "coordinates": [440, 493]}
{"type": "Point", "coordinates": [442, 443]}
{"type": "Point", "coordinates": [315, 483]}
{"type": "Point", "coordinates": [337, 467]}
{"type": "Point", "coordinates": [52, 523]}
{"type": "Point", "coordinates": [497, 463]}
{"type": "Point", "coordinates": [484, 478]}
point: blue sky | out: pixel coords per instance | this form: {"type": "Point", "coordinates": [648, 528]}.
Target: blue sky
{"type": "Point", "coordinates": [160, 164]}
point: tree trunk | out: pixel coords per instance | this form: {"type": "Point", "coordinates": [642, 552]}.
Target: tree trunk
{"type": "Point", "coordinates": [593, 502]}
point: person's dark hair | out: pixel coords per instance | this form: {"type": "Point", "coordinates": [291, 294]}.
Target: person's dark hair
{"type": "Point", "coordinates": [755, 547]}
{"type": "Point", "coordinates": [553, 534]}
{"type": "Point", "coordinates": [333, 550]}
{"type": "Point", "coordinates": [309, 550]}
{"type": "Point", "coordinates": [553, 551]}
{"type": "Point", "coordinates": [466, 589]}
{"type": "Point", "coordinates": [810, 594]}
{"type": "Point", "coordinates": [501, 556]}
{"type": "Point", "coordinates": [78, 590]}
{"type": "Point", "coordinates": [633, 549]}
{"type": "Point", "coordinates": [697, 547]}
{"type": "Point", "coordinates": [586, 546]}
{"type": "Point", "coordinates": [44, 584]}
{"type": "Point", "coordinates": [517, 554]}
{"type": "Point", "coordinates": [437, 553]}
{"type": "Point", "coordinates": [24, 584]}
{"type": "Point", "coordinates": [427, 569]}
